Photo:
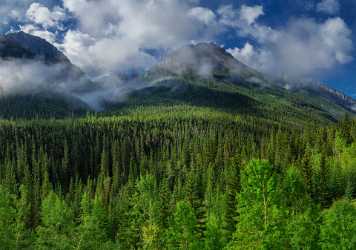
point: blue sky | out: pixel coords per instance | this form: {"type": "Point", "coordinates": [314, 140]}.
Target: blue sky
{"type": "Point", "coordinates": [312, 39]}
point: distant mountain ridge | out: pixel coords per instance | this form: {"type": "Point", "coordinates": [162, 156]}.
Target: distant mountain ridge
{"type": "Point", "coordinates": [202, 74]}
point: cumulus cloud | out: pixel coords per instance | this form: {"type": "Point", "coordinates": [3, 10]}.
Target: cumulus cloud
{"type": "Point", "coordinates": [328, 6]}
{"type": "Point", "coordinates": [15, 11]}
{"type": "Point", "coordinates": [109, 36]}
{"type": "Point", "coordinates": [302, 48]}
{"type": "Point", "coordinates": [41, 15]}
{"type": "Point", "coordinates": [117, 36]}
{"type": "Point", "coordinates": [246, 15]}
{"type": "Point", "coordinates": [253, 57]}
{"type": "Point", "coordinates": [41, 18]}
{"type": "Point", "coordinates": [250, 13]}
{"type": "Point", "coordinates": [205, 15]}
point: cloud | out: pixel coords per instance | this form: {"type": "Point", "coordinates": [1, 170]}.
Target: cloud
{"type": "Point", "coordinates": [328, 6]}
{"type": "Point", "coordinates": [15, 11]}
{"type": "Point", "coordinates": [302, 48]}
{"type": "Point", "coordinates": [35, 77]}
{"type": "Point", "coordinates": [205, 15]}
{"type": "Point", "coordinates": [107, 37]}
{"type": "Point", "coordinates": [41, 15]}
{"type": "Point", "coordinates": [32, 77]}
{"type": "Point", "coordinates": [11, 10]}
{"type": "Point", "coordinates": [246, 15]}
{"type": "Point", "coordinates": [117, 37]}
{"type": "Point", "coordinates": [250, 14]}
{"type": "Point", "coordinates": [36, 31]}
{"type": "Point", "coordinates": [253, 57]}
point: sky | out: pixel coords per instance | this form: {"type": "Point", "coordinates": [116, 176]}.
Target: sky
{"type": "Point", "coordinates": [295, 39]}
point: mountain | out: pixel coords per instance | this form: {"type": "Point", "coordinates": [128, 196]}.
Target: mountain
{"type": "Point", "coordinates": [205, 74]}
{"type": "Point", "coordinates": [23, 45]}
{"type": "Point", "coordinates": [206, 60]}
{"type": "Point", "coordinates": [202, 75]}
{"type": "Point", "coordinates": [25, 49]}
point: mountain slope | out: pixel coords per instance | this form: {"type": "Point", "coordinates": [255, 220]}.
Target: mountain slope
{"type": "Point", "coordinates": [206, 60]}
{"type": "Point", "coordinates": [59, 81]}
{"type": "Point", "coordinates": [30, 47]}
{"type": "Point", "coordinates": [206, 75]}
{"type": "Point", "coordinates": [201, 75]}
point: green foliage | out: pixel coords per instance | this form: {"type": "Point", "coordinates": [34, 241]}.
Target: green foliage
{"type": "Point", "coordinates": [56, 229]}
{"type": "Point", "coordinates": [260, 213]}
{"type": "Point", "coordinates": [176, 177]}
{"type": "Point", "coordinates": [303, 230]}
{"type": "Point", "coordinates": [94, 228]}
{"type": "Point", "coordinates": [7, 219]}
{"type": "Point", "coordinates": [338, 230]}
{"type": "Point", "coordinates": [182, 232]}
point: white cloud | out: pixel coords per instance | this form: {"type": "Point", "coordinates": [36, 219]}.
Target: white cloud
{"type": "Point", "coordinates": [15, 11]}
{"type": "Point", "coordinates": [111, 36]}
{"type": "Point", "coordinates": [246, 15]}
{"type": "Point", "coordinates": [205, 15]}
{"type": "Point", "coordinates": [251, 13]}
{"type": "Point", "coordinates": [34, 76]}
{"type": "Point", "coordinates": [249, 55]}
{"type": "Point", "coordinates": [36, 31]}
{"type": "Point", "coordinates": [328, 6]}
{"type": "Point", "coordinates": [302, 48]}
{"type": "Point", "coordinates": [118, 34]}
{"type": "Point", "coordinates": [41, 15]}
{"type": "Point", "coordinates": [244, 54]}
{"type": "Point", "coordinates": [75, 45]}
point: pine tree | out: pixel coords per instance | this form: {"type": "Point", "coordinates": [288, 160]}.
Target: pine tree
{"type": "Point", "coordinates": [57, 224]}
{"type": "Point", "coordinates": [182, 232]}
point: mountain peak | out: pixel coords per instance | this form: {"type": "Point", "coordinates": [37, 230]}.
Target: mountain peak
{"type": "Point", "coordinates": [24, 45]}
{"type": "Point", "coordinates": [209, 47]}
{"type": "Point", "coordinates": [206, 60]}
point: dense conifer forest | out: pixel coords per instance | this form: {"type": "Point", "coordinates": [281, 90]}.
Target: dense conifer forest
{"type": "Point", "coordinates": [177, 178]}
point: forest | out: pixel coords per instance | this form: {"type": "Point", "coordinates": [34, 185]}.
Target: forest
{"type": "Point", "coordinates": [177, 178]}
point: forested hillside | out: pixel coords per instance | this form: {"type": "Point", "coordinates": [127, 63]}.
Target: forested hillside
{"type": "Point", "coordinates": [177, 177]}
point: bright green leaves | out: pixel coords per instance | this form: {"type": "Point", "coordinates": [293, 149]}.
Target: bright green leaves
{"type": "Point", "coordinates": [182, 231]}
{"type": "Point", "coordinates": [338, 230]}
{"type": "Point", "coordinates": [57, 227]}
{"type": "Point", "coordinates": [259, 209]}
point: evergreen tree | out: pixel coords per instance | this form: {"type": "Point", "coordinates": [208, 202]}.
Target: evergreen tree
{"type": "Point", "coordinates": [182, 232]}
{"type": "Point", "coordinates": [56, 230]}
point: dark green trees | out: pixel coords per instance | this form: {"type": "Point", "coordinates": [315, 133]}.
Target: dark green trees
{"type": "Point", "coordinates": [186, 180]}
